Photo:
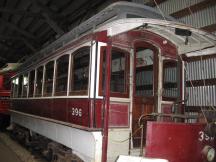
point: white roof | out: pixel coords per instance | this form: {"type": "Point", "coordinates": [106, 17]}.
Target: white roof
{"type": "Point", "coordinates": [198, 42]}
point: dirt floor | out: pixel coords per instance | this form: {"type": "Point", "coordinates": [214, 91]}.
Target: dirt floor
{"type": "Point", "coordinates": [6, 154]}
{"type": "Point", "coordinates": [11, 151]}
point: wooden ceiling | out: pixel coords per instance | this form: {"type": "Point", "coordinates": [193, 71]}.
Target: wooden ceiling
{"type": "Point", "coordinates": [28, 25]}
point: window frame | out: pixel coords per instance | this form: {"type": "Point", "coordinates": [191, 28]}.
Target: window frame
{"type": "Point", "coordinates": [68, 75]}
{"type": "Point", "coordinates": [27, 85]}
{"type": "Point", "coordinates": [45, 94]}
{"type": "Point", "coordinates": [20, 86]}
{"type": "Point", "coordinates": [147, 45]}
{"type": "Point", "coordinates": [126, 73]}
{"type": "Point", "coordinates": [35, 82]}
{"type": "Point", "coordinates": [15, 87]}
{"type": "Point", "coordinates": [166, 98]}
{"type": "Point", "coordinates": [71, 72]}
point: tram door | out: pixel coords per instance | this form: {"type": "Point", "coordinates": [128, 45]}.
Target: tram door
{"type": "Point", "coordinates": [145, 86]}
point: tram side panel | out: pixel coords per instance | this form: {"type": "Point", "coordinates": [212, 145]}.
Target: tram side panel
{"type": "Point", "coordinates": [4, 101]}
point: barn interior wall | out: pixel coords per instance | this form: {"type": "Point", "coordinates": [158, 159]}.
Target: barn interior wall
{"type": "Point", "coordinates": [198, 13]}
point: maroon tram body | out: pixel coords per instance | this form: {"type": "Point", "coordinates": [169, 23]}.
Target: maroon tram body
{"type": "Point", "coordinates": [60, 109]}
{"type": "Point", "coordinates": [5, 99]}
{"type": "Point", "coordinates": [105, 86]}
{"type": "Point", "coordinates": [181, 141]}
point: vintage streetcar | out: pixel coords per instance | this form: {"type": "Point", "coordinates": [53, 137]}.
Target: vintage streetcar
{"type": "Point", "coordinates": [6, 73]}
{"type": "Point", "coordinates": [128, 84]}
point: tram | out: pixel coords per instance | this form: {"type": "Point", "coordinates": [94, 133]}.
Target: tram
{"type": "Point", "coordinates": [6, 73]}
{"type": "Point", "coordinates": [4, 102]}
{"type": "Point", "coordinates": [127, 84]}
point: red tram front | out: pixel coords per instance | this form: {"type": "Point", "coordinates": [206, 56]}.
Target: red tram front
{"type": "Point", "coordinates": [119, 90]}
{"type": "Point", "coordinates": [5, 90]}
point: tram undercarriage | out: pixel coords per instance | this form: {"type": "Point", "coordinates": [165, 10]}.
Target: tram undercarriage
{"type": "Point", "coordinates": [50, 150]}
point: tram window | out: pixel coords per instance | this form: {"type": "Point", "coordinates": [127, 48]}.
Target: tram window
{"type": "Point", "coordinates": [6, 83]}
{"type": "Point", "coordinates": [20, 86]}
{"type": "Point", "coordinates": [12, 88]}
{"type": "Point", "coordinates": [118, 66]}
{"type": "Point", "coordinates": [144, 72]}
{"type": "Point", "coordinates": [15, 83]}
{"type": "Point", "coordinates": [119, 70]}
{"type": "Point", "coordinates": [48, 83]}
{"type": "Point", "coordinates": [25, 85]}
{"type": "Point", "coordinates": [169, 79]}
{"type": "Point", "coordinates": [61, 75]}
{"type": "Point", "coordinates": [31, 83]}
{"type": "Point", "coordinates": [80, 71]}
{"type": "Point", "coordinates": [39, 81]}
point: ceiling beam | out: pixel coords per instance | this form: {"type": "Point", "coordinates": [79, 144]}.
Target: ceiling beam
{"type": "Point", "coordinates": [21, 12]}
{"type": "Point", "coordinates": [45, 15]}
{"type": "Point", "coordinates": [10, 37]}
{"type": "Point", "coordinates": [3, 58]}
{"type": "Point", "coordinates": [18, 29]}
{"type": "Point", "coordinates": [46, 9]}
{"type": "Point", "coordinates": [153, 3]}
{"type": "Point", "coordinates": [49, 15]}
{"type": "Point", "coordinates": [79, 12]}
{"type": "Point", "coordinates": [210, 28]}
{"type": "Point", "coordinates": [53, 24]}
{"type": "Point", "coordinates": [29, 45]}
{"type": "Point", "coordinates": [9, 47]}
{"type": "Point", "coordinates": [24, 40]}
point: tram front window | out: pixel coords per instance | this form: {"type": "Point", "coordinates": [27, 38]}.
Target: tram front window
{"type": "Point", "coordinates": [144, 72]}
{"type": "Point", "coordinates": [169, 79]}
{"type": "Point", "coordinates": [119, 73]}
{"type": "Point", "coordinates": [117, 82]}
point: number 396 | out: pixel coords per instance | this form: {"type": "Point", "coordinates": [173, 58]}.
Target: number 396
{"type": "Point", "coordinates": [76, 112]}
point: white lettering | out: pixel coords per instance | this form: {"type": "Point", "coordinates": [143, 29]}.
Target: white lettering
{"type": "Point", "coordinates": [204, 137]}
{"type": "Point", "coordinates": [201, 136]}
{"type": "Point", "coordinates": [76, 112]}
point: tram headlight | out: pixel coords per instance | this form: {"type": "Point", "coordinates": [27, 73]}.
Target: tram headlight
{"type": "Point", "coordinates": [209, 153]}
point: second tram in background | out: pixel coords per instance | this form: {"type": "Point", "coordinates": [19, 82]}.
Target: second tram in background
{"type": "Point", "coordinates": [5, 90]}
{"type": "Point", "coordinates": [123, 83]}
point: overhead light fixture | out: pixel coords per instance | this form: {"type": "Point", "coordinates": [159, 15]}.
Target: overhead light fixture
{"type": "Point", "coordinates": [182, 32]}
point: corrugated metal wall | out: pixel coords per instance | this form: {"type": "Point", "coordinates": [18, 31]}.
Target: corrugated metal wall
{"type": "Point", "coordinates": [203, 91]}
{"type": "Point", "coordinates": [203, 17]}
{"type": "Point", "coordinates": [144, 78]}
{"type": "Point", "coordinates": [201, 69]}
{"type": "Point", "coordinates": [201, 96]}
{"type": "Point", "coordinates": [170, 77]}
{"type": "Point", "coordinates": [170, 6]}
